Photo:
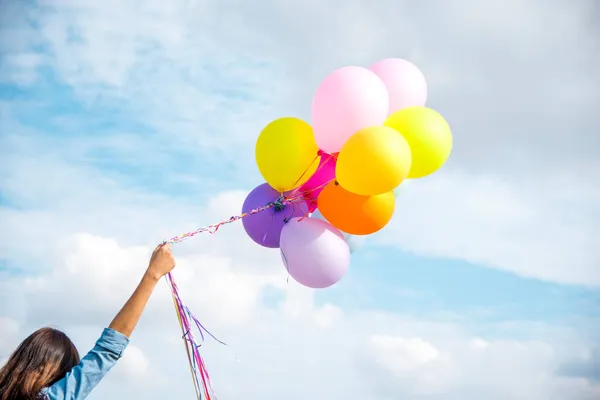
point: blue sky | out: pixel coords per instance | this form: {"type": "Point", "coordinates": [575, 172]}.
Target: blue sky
{"type": "Point", "coordinates": [426, 285]}
{"type": "Point", "coordinates": [125, 122]}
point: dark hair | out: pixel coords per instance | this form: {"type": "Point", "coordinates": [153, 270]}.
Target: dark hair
{"type": "Point", "coordinates": [41, 360]}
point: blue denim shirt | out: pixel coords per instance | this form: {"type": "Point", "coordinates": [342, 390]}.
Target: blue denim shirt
{"type": "Point", "coordinates": [79, 382]}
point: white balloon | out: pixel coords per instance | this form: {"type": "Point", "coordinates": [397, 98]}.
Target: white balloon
{"type": "Point", "coordinates": [354, 242]}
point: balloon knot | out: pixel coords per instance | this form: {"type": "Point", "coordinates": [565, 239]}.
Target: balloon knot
{"type": "Point", "coordinates": [336, 183]}
{"type": "Point", "coordinates": [278, 204]}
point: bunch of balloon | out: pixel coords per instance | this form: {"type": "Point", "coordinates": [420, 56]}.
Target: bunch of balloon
{"type": "Point", "coordinates": [332, 183]}
{"type": "Point", "coordinates": [376, 123]}
{"type": "Point", "coordinates": [295, 171]}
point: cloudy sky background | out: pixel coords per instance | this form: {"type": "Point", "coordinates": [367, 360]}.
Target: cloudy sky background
{"type": "Point", "coordinates": [125, 122]}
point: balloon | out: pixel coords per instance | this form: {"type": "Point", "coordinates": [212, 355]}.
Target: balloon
{"type": "Point", "coordinates": [324, 174]}
{"type": "Point", "coordinates": [265, 227]}
{"type": "Point", "coordinates": [373, 161]}
{"type": "Point", "coordinates": [346, 101]}
{"type": "Point", "coordinates": [354, 242]}
{"type": "Point", "coordinates": [314, 252]}
{"type": "Point", "coordinates": [353, 213]}
{"type": "Point", "coordinates": [286, 153]}
{"type": "Point", "coordinates": [405, 83]}
{"type": "Point", "coordinates": [428, 136]}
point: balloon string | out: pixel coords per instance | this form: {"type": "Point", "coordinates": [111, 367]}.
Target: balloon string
{"type": "Point", "coordinates": [305, 194]}
{"type": "Point", "coordinates": [187, 320]}
{"type": "Point", "coordinates": [278, 204]}
{"type": "Point", "coordinates": [317, 157]}
{"type": "Point", "coordinates": [320, 155]}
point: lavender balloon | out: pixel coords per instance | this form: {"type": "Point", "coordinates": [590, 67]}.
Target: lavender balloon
{"type": "Point", "coordinates": [265, 227]}
{"type": "Point", "coordinates": [314, 252]}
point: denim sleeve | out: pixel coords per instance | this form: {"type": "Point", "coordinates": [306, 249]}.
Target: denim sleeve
{"type": "Point", "coordinates": [79, 382]}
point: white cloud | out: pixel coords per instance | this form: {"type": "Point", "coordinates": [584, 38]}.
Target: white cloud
{"type": "Point", "coordinates": [400, 354]}
{"type": "Point", "coordinates": [22, 68]}
{"type": "Point", "coordinates": [413, 363]}
{"type": "Point", "coordinates": [538, 231]}
{"type": "Point", "coordinates": [327, 316]}
{"type": "Point", "coordinates": [133, 364]}
{"type": "Point", "coordinates": [298, 349]}
{"type": "Point", "coordinates": [473, 368]}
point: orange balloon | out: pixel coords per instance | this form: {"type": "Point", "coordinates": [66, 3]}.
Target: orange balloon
{"type": "Point", "coordinates": [353, 213]}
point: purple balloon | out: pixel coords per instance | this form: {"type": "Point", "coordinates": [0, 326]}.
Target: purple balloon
{"type": "Point", "coordinates": [265, 227]}
{"type": "Point", "coordinates": [314, 252]}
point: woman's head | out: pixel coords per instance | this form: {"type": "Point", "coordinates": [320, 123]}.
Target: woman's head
{"type": "Point", "coordinates": [40, 360]}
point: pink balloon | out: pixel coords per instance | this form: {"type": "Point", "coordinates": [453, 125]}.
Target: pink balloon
{"type": "Point", "coordinates": [405, 83]}
{"type": "Point", "coordinates": [348, 100]}
{"type": "Point", "coordinates": [324, 174]}
{"type": "Point", "coordinates": [314, 252]}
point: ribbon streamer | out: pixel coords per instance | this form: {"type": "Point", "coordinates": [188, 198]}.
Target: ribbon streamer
{"type": "Point", "coordinates": [187, 321]}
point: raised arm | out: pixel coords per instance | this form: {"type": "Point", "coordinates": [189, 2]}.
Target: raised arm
{"type": "Point", "coordinates": [161, 263]}
{"type": "Point", "coordinates": [80, 381]}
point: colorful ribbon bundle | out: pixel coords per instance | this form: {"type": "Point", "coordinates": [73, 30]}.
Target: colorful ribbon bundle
{"type": "Point", "coordinates": [187, 321]}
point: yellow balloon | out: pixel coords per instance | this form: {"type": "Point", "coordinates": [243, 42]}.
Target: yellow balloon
{"type": "Point", "coordinates": [373, 161]}
{"type": "Point", "coordinates": [286, 153]}
{"type": "Point", "coordinates": [428, 136]}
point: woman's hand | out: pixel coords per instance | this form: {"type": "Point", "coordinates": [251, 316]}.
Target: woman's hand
{"type": "Point", "coordinates": [161, 262]}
